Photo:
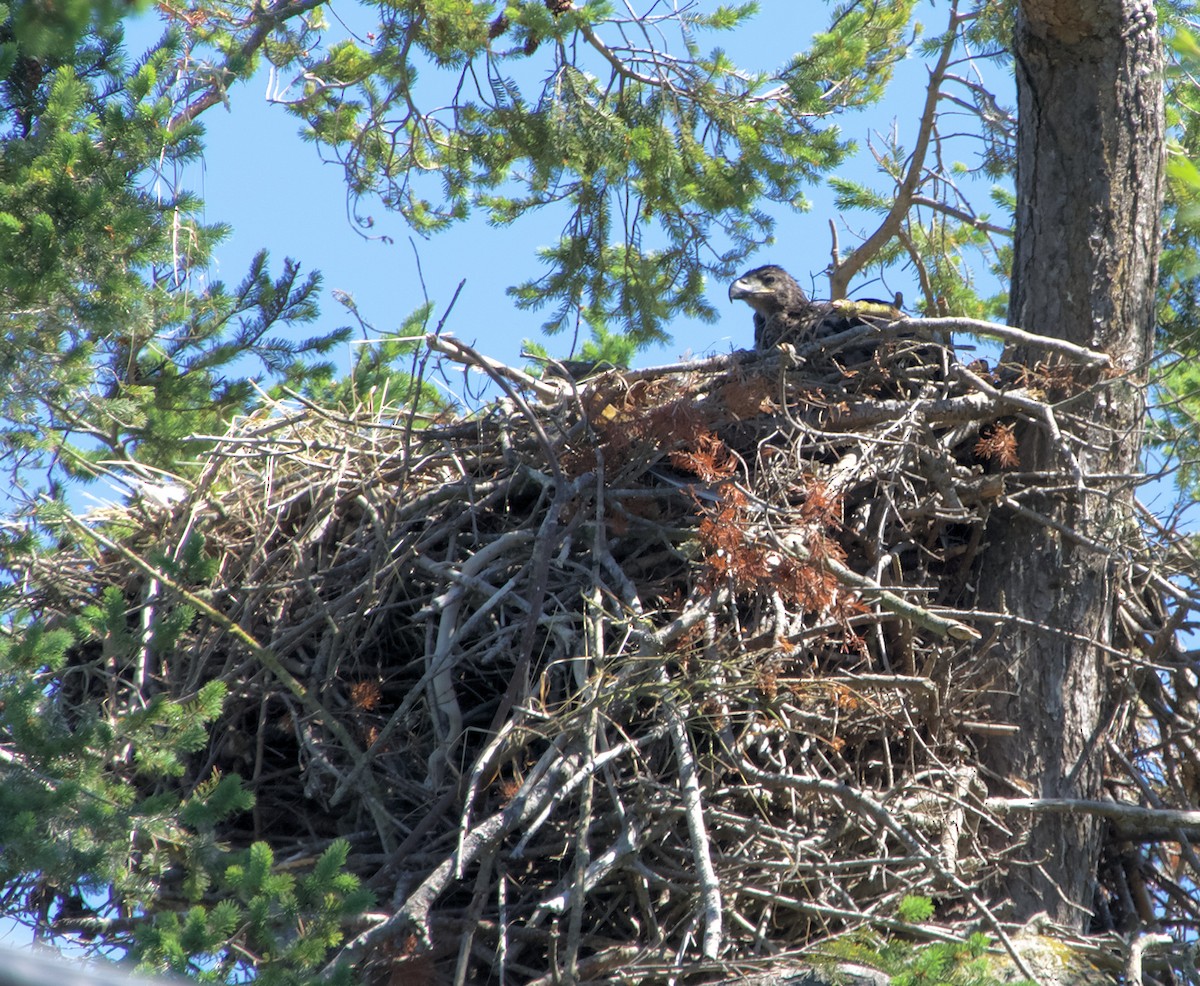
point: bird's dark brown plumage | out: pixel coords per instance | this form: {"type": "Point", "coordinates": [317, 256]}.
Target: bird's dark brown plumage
{"type": "Point", "coordinates": [784, 313]}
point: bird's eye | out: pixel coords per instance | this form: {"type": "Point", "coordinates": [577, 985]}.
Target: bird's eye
{"type": "Point", "coordinates": [769, 279]}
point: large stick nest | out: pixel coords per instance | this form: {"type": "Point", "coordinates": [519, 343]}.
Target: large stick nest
{"type": "Point", "coordinates": [669, 667]}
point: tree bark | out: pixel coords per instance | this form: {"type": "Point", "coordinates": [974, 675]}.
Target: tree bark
{"type": "Point", "coordinates": [1089, 193]}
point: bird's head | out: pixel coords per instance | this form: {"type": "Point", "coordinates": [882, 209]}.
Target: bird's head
{"type": "Point", "coordinates": [768, 290]}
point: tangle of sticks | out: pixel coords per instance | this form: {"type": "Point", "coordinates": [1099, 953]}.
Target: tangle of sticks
{"type": "Point", "coordinates": [669, 671]}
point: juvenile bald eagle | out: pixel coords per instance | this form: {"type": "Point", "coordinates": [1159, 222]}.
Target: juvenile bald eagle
{"type": "Point", "coordinates": [784, 313]}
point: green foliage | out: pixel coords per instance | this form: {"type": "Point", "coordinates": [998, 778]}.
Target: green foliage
{"type": "Point", "coordinates": [214, 799]}
{"type": "Point", "coordinates": [1174, 432]}
{"type": "Point", "coordinates": [51, 30]}
{"type": "Point", "coordinates": [662, 165]}
{"type": "Point", "coordinates": [603, 349]}
{"type": "Point", "coordinates": [668, 167]}
{"type": "Point", "coordinates": [1180, 264]}
{"type": "Point", "coordinates": [84, 812]}
{"type": "Point", "coordinates": [289, 924]}
{"type": "Point", "coordinates": [915, 909]}
{"type": "Point", "coordinates": [116, 346]}
{"type": "Point", "coordinates": [386, 369]}
{"type": "Point", "coordinates": [859, 50]}
{"type": "Point", "coordinates": [119, 349]}
{"type": "Point", "coordinates": [958, 963]}
{"type": "Point", "coordinates": [74, 811]}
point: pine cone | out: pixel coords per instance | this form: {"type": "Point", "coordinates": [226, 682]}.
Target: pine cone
{"type": "Point", "coordinates": [557, 7]}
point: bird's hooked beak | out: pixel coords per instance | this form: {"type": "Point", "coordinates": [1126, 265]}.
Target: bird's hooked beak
{"type": "Point", "coordinates": [754, 293]}
{"type": "Point", "coordinates": [740, 289]}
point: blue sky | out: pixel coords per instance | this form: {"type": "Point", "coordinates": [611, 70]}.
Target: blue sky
{"type": "Point", "coordinates": [259, 176]}
{"type": "Point", "coordinates": [273, 189]}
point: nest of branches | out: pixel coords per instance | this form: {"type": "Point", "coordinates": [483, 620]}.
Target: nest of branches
{"type": "Point", "coordinates": [669, 668]}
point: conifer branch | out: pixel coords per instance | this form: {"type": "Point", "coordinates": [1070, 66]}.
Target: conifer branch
{"type": "Point", "coordinates": [263, 654]}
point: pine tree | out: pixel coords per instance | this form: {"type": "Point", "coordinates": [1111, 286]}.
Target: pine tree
{"type": "Point", "coordinates": [117, 349]}
{"type": "Point", "coordinates": [665, 162]}
{"type": "Point", "coordinates": [117, 356]}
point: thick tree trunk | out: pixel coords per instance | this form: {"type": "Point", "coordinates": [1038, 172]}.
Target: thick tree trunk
{"type": "Point", "coordinates": [1089, 192]}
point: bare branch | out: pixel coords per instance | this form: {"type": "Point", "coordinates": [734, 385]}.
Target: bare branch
{"type": "Point", "coordinates": [841, 276]}
{"type": "Point", "coordinates": [1131, 821]}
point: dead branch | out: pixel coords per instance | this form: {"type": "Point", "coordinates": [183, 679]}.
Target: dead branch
{"type": "Point", "coordinates": [679, 658]}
